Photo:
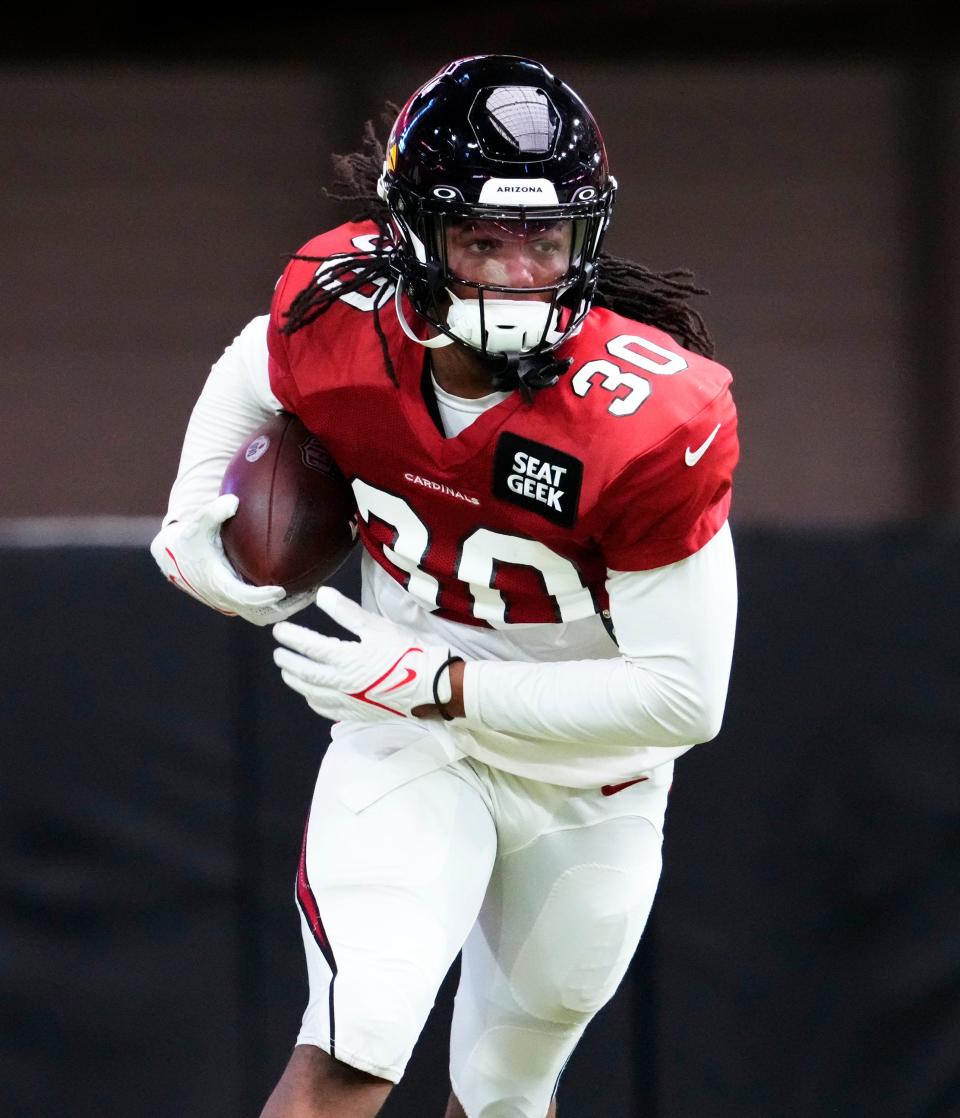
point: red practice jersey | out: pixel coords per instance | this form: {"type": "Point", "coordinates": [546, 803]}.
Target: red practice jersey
{"type": "Point", "coordinates": [625, 463]}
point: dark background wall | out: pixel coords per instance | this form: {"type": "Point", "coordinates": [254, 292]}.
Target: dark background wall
{"type": "Point", "coordinates": [802, 158]}
{"type": "Point", "coordinates": [802, 959]}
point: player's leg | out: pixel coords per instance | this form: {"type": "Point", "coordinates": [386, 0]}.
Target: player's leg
{"type": "Point", "coordinates": [561, 921]}
{"type": "Point", "coordinates": [315, 1085]}
{"type": "Point", "coordinates": [455, 1110]}
{"type": "Point", "coordinates": [387, 891]}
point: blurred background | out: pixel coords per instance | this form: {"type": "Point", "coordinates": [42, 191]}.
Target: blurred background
{"type": "Point", "coordinates": [802, 157]}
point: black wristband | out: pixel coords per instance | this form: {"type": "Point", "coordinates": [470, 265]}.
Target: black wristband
{"type": "Point", "coordinates": [436, 685]}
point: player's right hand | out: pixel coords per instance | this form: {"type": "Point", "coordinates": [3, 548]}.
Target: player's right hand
{"type": "Point", "coordinates": [190, 553]}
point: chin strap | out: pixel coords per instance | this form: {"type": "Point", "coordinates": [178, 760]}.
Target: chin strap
{"type": "Point", "coordinates": [428, 343]}
{"type": "Point", "coordinates": [527, 371]}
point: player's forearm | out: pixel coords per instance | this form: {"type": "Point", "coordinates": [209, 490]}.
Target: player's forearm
{"type": "Point", "coordinates": [613, 701]}
{"type": "Point", "coordinates": [665, 693]}
{"type": "Point", "coordinates": [235, 400]}
{"type": "Point", "coordinates": [579, 723]}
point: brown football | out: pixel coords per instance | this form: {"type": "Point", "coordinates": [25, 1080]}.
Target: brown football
{"type": "Point", "coordinates": [295, 522]}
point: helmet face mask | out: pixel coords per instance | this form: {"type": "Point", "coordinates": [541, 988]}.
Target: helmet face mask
{"type": "Point", "coordinates": [506, 279]}
{"type": "Point", "coordinates": [499, 194]}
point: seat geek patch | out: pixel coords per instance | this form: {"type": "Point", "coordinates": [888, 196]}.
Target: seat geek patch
{"type": "Point", "coordinates": [537, 477]}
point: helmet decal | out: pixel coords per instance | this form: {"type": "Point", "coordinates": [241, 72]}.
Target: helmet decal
{"type": "Point", "coordinates": [527, 192]}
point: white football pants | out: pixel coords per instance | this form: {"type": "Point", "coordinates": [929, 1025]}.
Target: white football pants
{"type": "Point", "coordinates": [546, 890]}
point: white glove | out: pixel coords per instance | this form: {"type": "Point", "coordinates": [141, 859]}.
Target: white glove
{"type": "Point", "coordinates": [388, 673]}
{"type": "Point", "coordinates": [190, 553]}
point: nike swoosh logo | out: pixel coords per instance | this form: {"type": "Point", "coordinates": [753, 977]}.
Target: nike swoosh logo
{"type": "Point", "coordinates": [411, 674]}
{"type": "Point", "coordinates": [613, 789]}
{"type": "Point", "coordinates": [365, 695]}
{"type": "Point", "coordinates": [692, 457]}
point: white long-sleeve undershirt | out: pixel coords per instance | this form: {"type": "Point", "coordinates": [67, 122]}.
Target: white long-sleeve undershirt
{"type": "Point", "coordinates": [663, 694]}
{"type": "Point", "coordinates": [236, 399]}
{"type": "Point", "coordinates": [599, 719]}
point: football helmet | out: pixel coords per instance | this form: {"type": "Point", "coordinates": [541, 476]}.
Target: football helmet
{"type": "Point", "coordinates": [495, 150]}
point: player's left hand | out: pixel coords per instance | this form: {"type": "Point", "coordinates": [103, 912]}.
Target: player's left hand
{"type": "Point", "coordinates": [390, 672]}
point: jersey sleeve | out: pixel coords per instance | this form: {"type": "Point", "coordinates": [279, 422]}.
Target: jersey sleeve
{"type": "Point", "coordinates": [282, 382]}
{"type": "Point", "coordinates": [288, 352]}
{"type": "Point", "coordinates": [669, 501]}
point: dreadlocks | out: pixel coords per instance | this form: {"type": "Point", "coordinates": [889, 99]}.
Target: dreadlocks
{"type": "Point", "coordinates": [355, 177]}
{"type": "Point", "coordinates": [660, 299]}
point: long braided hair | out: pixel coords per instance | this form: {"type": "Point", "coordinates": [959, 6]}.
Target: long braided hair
{"type": "Point", "coordinates": [660, 299]}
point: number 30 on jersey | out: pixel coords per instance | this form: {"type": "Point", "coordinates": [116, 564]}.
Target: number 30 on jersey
{"type": "Point", "coordinates": [479, 554]}
{"type": "Point", "coordinates": [629, 389]}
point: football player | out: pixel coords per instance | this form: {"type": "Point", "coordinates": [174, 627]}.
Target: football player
{"type": "Point", "coordinates": [541, 451]}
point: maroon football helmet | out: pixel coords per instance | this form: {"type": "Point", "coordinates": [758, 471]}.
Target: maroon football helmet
{"type": "Point", "coordinates": [497, 138]}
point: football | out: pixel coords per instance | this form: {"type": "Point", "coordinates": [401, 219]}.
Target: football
{"type": "Point", "coordinates": [296, 521]}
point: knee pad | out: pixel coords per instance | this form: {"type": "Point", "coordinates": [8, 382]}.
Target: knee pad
{"type": "Point", "coordinates": [580, 945]}
{"type": "Point", "coordinates": [511, 1072]}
